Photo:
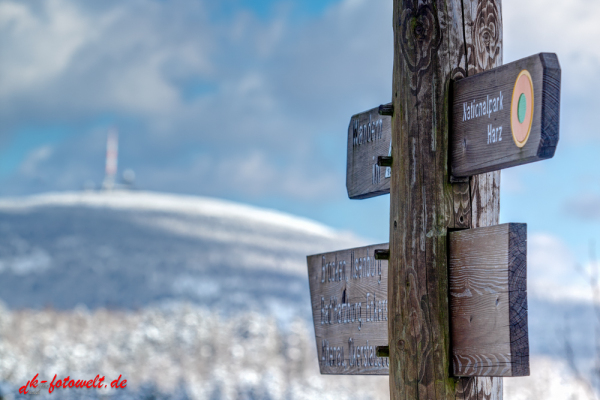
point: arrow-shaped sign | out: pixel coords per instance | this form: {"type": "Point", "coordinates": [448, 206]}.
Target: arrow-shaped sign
{"type": "Point", "coordinates": [506, 116]}
{"type": "Point", "coordinates": [369, 136]}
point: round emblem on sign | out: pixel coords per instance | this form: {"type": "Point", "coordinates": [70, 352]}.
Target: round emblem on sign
{"type": "Point", "coordinates": [521, 108]}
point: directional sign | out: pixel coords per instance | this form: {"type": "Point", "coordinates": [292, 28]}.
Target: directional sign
{"type": "Point", "coordinates": [506, 116]}
{"type": "Point", "coordinates": [369, 136]}
{"type": "Point", "coordinates": [348, 290]}
{"type": "Point", "coordinates": [488, 305]}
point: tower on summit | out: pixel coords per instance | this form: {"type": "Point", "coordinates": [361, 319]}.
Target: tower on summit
{"type": "Point", "coordinates": [112, 157]}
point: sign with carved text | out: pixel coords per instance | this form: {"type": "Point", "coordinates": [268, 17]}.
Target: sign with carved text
{"type": "Point", "coordinates": [506, 116]}
{"type": "Point", "coordinates": [488, 305]}
{"type": "Point", "coordinates": [348, 291]}
{"type": "Point", "coordinates": [369, 136]}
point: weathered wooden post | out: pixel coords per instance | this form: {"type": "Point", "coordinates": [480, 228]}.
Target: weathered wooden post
{"type": "Point", "coordinates": [435, 41]}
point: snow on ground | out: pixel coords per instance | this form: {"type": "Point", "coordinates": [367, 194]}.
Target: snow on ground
{"type": "Point", "coordinates": [194, 353]}
{"type": "Point", "coordinates": [189, 352]}
{"type": "Point", "coordinates": [551, 379]}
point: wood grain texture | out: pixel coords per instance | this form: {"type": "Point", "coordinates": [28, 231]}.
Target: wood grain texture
{"type": "Point", "coordinates": [473, 37]}
{"type": "Point", "coordinates": [488, 301]}
{"type": "Point", "coordinates": [517, 278]}
{"type": "Point", "coordinates": [348, 291]}
{"type": "Point", "coordinates": [483, 41]}
{"type": "Point", "coordinates": [369, 136]}
{"type": "Point", "coordinates": [462, 206]}
{"type": "Point", "coordinates": [428, 43]}
{"type": "Point", "coordinates": [479, 388]}
{"type": "Point", "coordinates": [482, 139]}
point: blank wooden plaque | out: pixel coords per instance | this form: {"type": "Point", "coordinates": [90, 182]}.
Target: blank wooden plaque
{"type": "Point", "coordinates": [488, 301]}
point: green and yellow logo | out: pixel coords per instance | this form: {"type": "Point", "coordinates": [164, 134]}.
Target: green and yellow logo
{"type": "Point", "coordinates": [521, 108]}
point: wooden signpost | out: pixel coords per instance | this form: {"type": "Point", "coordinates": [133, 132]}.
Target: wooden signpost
{"type": "Point", "coordinates": [449, 306]}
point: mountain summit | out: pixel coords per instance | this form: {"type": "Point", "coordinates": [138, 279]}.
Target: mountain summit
{"type": "Point", "coordinates": [134, 249]}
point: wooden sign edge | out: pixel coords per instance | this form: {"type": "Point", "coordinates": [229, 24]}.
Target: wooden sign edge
{"type": "Point", "coordinates": [550, 125]}
{"type": "Point", "coordinates": [369, 195]}
{"type": "Point", "coordinates": [518, 306]}
{"type": "Point", "coordinates": [312, 309]}
{"type": "Point", "coordinates": [348, 249]}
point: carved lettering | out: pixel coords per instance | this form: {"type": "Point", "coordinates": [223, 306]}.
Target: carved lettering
{"type": "Point", "coordinates": [483, 107]}
{"type": "Point", "coordinates": [367, 132]}
{"type": "Point", "coordinates": [350, 308]}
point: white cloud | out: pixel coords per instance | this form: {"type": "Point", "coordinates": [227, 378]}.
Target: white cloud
{"type": "Point", "coordinates": [570, 30]}
{"type": "Point", "coordinates": [253, 175]}
{"type": "Point", "coordinates": [585, 207]}
{"type": "Point", "coordinates": [135, 56]}
{"type": "Point", "coordinates": [116, 58]}
{"type": "Point", "coordinates": [552, 270]}
{"type": "Point", "coordinates": [551, 379]}
{"type": "Point", "coordinates": [38, 45]}
{"type": "Point", "coordinates": [551, 26]}
{"type": "Point", "coordinates": [268, 91]}
{"type": "Point", "coordinates": [30, 167]}
{"type": "Point", "coordinates": [511, 181]}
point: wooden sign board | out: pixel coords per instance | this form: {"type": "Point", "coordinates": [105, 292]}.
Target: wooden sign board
{"type": "Point", "coordinates": [506, 116]}
{"type": "Point", "coordinates": [369, 136]}
{"type": "Point", "coordinates": [488, 301]}
{"type": "Point", "coordinates": [488, 305]}
{"type": "Point", "coordinates": [348, 290]}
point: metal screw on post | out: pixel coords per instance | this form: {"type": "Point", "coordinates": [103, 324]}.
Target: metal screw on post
{"type": "Point", "coordinates": [384, 161]}
{"type": "Point", "coordinates": [382, 254]}
{"type": "Point", "coordinates": [386, 109]}
{"type": "Point", "coordinates": [383, 351]}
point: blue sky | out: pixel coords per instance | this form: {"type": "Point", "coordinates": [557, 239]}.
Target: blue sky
{"type": "Point", "coordinates": [266, 8]}
{"type": "Point", "coordinates": [250, 101]}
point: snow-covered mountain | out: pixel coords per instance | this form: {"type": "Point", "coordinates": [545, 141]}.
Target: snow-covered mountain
{"type": "Point", "coordinates": [133, 265]}
{"type": "Point", "coordinates": [135, 249]}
